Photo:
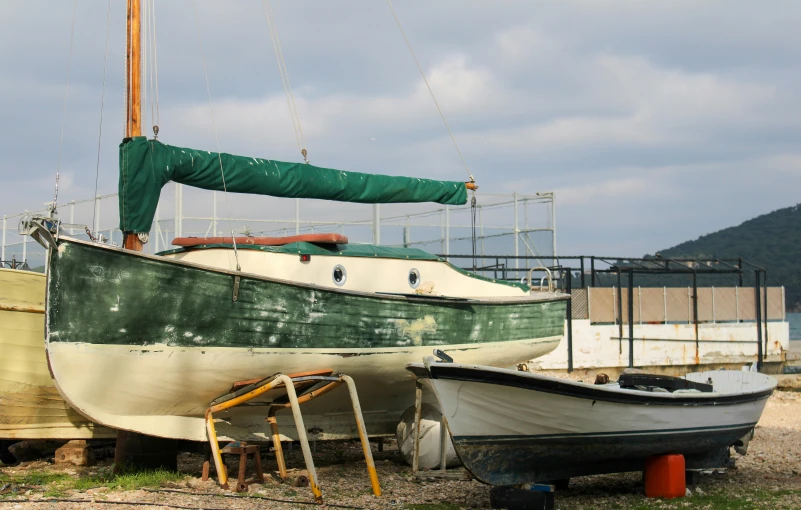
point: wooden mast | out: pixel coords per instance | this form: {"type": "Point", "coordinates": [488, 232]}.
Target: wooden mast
{"type": "Point", "coordinates": [133, 66]}
{"type": "Point", "coordinates": [133, 92]}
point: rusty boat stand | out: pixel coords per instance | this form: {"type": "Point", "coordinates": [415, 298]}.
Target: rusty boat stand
{"type": "Point", "coordinates": [309, 385]}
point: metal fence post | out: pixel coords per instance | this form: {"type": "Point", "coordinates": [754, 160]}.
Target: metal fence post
{"type": "Point", "coordinates": [517, 235]}
{"type": "Point", "coordinates": [695, 316]}
{"type": "Point", "coordinates": [553, 226]}
{"type": "Point", "coordinates": [72, 216]}
{"type": "Point", "coordinates": [213, 213]}
{"type": "Point", "coordinates": [631, 317]}
{"type": "Point", "coordinates": [740, 267]}
{"type": "Point", "coordinates": [569, 290]}
{"type": "Point", "coordinates": [639, 303]}
{"type": "Point", "coordinates": [297, 216]}
{"type": "Point", "coordinates": [758, 319]}
{"type": "Point", "coordinates": [376, 224]}
{"type": "Point", "coordinates": [3, 255]}
{"type": "Point", "coordinates": [619, 314]}
{"type": "Point", "coordinates": [765, 306]}
{"type": "Point", "coordinates": [447, 231]}
{"type": "Point", "coordinates": [96, 226]}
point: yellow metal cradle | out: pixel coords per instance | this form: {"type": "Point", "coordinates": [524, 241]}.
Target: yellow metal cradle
{"type": "Point", "coordinates": [290, 383]}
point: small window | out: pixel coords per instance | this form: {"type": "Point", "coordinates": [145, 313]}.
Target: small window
{"type": "Point", "coordinates": [339, 275]}
{"type": "Point", "coordinates": [414, 278]}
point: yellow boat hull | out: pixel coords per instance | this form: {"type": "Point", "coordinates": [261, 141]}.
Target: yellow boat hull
{"type": "Point", "coordinates": [30, 405]}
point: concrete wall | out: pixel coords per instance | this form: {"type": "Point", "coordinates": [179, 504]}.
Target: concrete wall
{"type": "Point", "coordinates": [655, 345]}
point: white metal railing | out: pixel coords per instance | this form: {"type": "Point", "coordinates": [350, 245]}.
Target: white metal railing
{"type": "Point", "coordinates": [504, 223]}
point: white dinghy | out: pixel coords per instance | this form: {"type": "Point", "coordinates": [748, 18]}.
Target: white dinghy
{"type": "Point", "coordinates": [510, 427]}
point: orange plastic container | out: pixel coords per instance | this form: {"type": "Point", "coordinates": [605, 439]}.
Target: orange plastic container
{"type": "Point", "coordinates": [664, 476]}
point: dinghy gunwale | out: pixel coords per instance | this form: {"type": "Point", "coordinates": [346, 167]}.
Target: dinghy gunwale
{"type": "Point", "coordinates": [605, 393]}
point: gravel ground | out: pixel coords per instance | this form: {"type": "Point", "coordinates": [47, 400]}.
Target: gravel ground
{"type": "Point", "coordinates": [768, 477]}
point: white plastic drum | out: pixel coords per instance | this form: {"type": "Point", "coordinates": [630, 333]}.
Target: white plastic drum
{"type": "Point", "coordinates": [430, 419]}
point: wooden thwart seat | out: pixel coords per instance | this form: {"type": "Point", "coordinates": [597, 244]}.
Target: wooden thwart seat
{"type": "Point", "coordinates": [262, 241]}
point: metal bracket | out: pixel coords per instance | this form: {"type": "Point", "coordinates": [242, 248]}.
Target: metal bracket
{"type": "Point", "coordinates": [42, 230]}
{"type": "Point", "coordinates": [236, 289]}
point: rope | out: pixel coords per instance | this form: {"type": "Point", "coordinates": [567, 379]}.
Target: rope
{"type": "Point", "coordinates": [282, 70]}
{"type": "Point", "coordinates": [64, 110]}
{"type": "Point", "coordinates": [216, 137]}
{"type": "Point", "coordinates": [102, 103]}
{"type": "Point", "coordinates": [419, 68]}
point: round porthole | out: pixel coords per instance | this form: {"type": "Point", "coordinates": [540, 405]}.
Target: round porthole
{"type": "Point", "coordinates": [414, 278]}
{"type": "Point", "coordinates": [339, 275]}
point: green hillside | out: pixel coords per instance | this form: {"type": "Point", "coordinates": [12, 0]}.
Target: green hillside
{"type": "Point", "coordinates": [772, 241]}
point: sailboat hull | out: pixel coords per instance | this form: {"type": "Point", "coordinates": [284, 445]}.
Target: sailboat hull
{"type": "Point", "coordinates": [144, 343]}
{"type": "Point", "coordinates": [30, 406]}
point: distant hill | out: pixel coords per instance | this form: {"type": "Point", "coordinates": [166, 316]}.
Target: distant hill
{"type": "Point", "coordinates": [772, 241]}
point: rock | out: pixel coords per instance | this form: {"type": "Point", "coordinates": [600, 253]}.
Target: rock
{"type": "Point", "coordinates": [76, 452]}
{"type": "Point", "coordinates": [200, 485]}
{"type": "Point", "coordinates": [27, 451]}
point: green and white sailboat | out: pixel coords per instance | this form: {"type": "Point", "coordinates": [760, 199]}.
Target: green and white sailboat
{"type": "Point", "coordinates": [145, 342]}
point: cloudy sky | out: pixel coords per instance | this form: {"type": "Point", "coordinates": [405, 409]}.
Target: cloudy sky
{"type": "Point", "coordinates": [654, 122]}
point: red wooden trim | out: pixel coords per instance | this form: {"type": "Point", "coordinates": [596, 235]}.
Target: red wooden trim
{"type": "Point", "coordinates": [263, 241]}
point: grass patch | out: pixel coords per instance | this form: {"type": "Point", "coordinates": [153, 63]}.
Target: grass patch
{"type": "Point", "coordinates": [756, 500]}
{"type": "Point", "coordinates": [58, 484]}
{"type": "Point", "coordinates": [128, 481]}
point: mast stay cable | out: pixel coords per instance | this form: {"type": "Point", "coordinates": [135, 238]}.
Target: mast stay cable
{"type": "Point", "coordinates": [64, 110]}
{"type": "Point", "coordinates": [216, 137]}
{"type": "Point", "coordinates": [100, 128]}
{"type": "Point", "coordinates": [430, 91]}
{"type": "Point", "coordinates": [282, 70]}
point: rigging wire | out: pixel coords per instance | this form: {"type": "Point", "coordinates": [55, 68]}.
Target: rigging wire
{"type": "Point", "coordinates": [430, 91]}
{"type": "Point", "coordinates": [155, 60]}
{"type": "Point", "coordinates": [143, 78]}
{"type": "Point", "coordinates": [216, 137]}
{"type": "Point", "coordinates": [282, 70]}
{"type": "Point", "coordinates": [64, 110]}
{"type": "Point", "coordinates": [102, 104]}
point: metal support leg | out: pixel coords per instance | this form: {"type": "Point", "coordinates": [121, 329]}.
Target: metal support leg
{"type": "Point", "coordinates": [222, 474]}
{"type": "Point", "coordinates": [276, 438]}
{"type": "Point", "coordinates": [304, 441]}
{"type": "Point", "coordinates": [368, 454]}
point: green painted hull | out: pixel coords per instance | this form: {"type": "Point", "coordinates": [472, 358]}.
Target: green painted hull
{"type": "Point", "coordinates": [98, 295]}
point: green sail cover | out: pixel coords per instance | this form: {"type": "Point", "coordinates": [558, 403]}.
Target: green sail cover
{"type": "Point", "coordinates": [147, 165]}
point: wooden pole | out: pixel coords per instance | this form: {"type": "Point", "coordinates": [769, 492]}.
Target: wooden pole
{"type": "Point", "coordinates": [133, 82]}
{"type": "Point", "coordinates": [133, 67]}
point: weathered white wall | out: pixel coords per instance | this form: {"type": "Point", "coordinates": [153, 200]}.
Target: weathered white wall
{"type": "Point", "coordinates": [597, 346]}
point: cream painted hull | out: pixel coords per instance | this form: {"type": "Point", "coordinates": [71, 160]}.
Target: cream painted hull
{"type": "Point", "coordinates": [164, 391]}
{"type": "Point", "coordinates": [30, 405]}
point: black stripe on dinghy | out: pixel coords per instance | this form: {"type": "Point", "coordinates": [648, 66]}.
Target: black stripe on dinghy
{"type": "Point", "coordinates": [589, 391]}
{"type": "Point", "coordinates": [599, 437]}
